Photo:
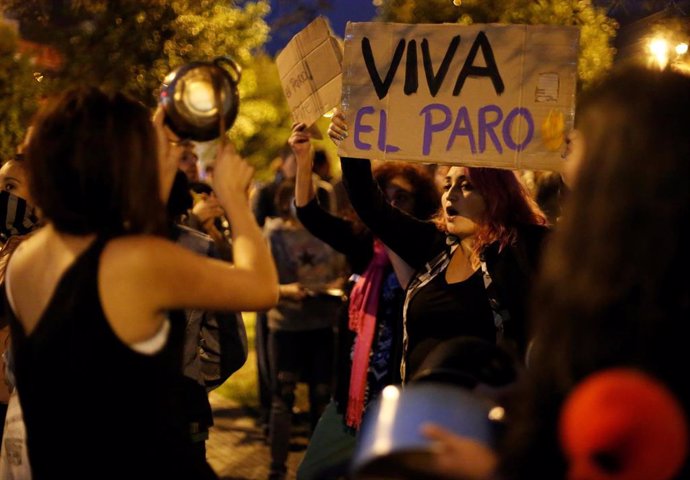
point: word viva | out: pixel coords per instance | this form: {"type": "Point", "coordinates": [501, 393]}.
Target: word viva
{"type": "Point", "coordinates": [491, 126]}
{"type": "Point", "coordinates": [434, 79]}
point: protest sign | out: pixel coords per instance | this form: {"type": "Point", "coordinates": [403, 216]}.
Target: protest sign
{"type": "Point", "coordinates": [480, 95]}
{"type": "Point", "coordinates": [310, 69]}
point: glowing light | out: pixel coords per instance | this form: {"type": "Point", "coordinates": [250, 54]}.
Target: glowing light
{"type": "Point", "coordinates": [682, 48]}
{"type": "Point", "coordinates": [384, 423]}
{"type": "Point", "coordinates": [200, 96]}
{"type": "Point", "coordinates": [496, 414]}
{"type": "Point", "coordinates": [457, 3]}
{"type": "Point", "coordinates": [659, 47]}
{"type": "Point", "coordinates": [390, 393]}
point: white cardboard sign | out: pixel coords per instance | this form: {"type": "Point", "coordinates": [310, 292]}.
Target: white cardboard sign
{"type": "Point", "coordinates": [310, 69]}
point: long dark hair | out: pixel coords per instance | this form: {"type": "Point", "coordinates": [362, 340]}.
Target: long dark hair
{"type": "Point", "coordinates": [614, 290]}
{"type": "Point", "coordinates": [93, 166]}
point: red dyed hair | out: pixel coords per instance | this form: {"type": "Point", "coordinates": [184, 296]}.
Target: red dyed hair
{"type": "Point", "coordinates": [508, 206]}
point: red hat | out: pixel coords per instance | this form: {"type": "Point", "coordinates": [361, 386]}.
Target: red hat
{"type": "Point", "coordinates": [621, 424]}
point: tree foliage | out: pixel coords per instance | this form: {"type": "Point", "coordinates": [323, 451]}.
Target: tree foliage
{"type": "Point", "coordinates": [130, 45]}
{"type": "Point", "coordinates": [596, 34]}
{"type": "Point", "coordinates": [263, 126]}
{"type": "Point", "coordinates": [19, 92]}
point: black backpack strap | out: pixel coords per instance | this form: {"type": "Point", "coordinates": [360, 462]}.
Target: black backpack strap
{"type": "Point", "coordinates": [222, 346]}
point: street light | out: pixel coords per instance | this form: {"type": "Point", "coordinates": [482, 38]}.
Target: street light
{"type": "Point", "coordinates": [663, 52]}
{"type": "Point", "coordinates": [659, 47]}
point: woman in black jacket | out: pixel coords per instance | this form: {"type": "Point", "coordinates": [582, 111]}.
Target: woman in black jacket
{"type": "Point", "coordinates": [474, 265]}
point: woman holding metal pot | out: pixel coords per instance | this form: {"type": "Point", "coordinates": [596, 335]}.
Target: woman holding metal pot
{"type": "Point", "coordinates": [86, 294]}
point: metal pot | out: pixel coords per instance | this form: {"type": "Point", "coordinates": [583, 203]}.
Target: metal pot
{"type": "Point", "coordinates": [390, 444]}
{"type": "Point", "coordinates": [200, 99]}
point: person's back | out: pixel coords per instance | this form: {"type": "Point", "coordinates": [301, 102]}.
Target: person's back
{"type": "Point", "coordinates": [108, 404]}
{"type": "Point", "coordinates": [301, 325]}
{"type": "Point", "coordinates": [97, 361]}
{"type": "Point", "coordinates": [610, 294]}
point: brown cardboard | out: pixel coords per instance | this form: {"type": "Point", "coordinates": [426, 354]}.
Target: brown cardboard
{"type": "Point", "coordinates": [310, 69]}
{"type": "Point", "coordinates": [521, 125]}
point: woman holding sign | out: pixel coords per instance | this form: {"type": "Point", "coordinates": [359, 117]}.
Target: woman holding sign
{"type": "Point", "coordinates": [474, 266]}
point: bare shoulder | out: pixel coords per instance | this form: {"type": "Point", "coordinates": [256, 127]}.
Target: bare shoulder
{"type": "Point", "coordinates": [135, 267]}
{"type": "Point", "coordinates": [20, 256]}
{"type": "Point", "coordinates": [134, 257]}
{"type": "Point", "coordinates": [130, 286]}
{"type": "Point", "coordinates": [138, 251]}
{"type": "Point", "coordinates": [146, 260]}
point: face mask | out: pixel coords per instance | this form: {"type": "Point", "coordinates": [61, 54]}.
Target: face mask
{"type": "Point", "coordinates": [17, 217]}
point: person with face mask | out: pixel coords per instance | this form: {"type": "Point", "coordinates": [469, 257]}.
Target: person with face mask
{"type": "Point", "coordinates": [18, 218]}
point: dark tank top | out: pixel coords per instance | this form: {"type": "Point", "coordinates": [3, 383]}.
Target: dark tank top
{"type": "Point", "coordinates": [441, 310]}
{"type": "Point", "coordinates": [91, 401]}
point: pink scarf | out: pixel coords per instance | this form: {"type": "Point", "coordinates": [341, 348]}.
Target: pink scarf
{"type": "Point", "coordinates": [364, 303]}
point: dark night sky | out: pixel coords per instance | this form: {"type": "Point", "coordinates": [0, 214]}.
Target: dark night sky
{"type": "Point", "coordinates": [340, 12]}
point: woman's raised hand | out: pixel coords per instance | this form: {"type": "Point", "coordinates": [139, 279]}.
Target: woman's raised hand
{"type": "Point", "coordinates": [337, 130]}
{"type": "Point", "coordinates": [300, 141]}
{"type": "Point", "coordinates": [301, 146]}
{"type": "Point", "coordinates": [231, 174]}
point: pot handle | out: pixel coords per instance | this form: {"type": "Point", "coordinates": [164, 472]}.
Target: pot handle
{"type": "Point", "coordinates": [233, 67]}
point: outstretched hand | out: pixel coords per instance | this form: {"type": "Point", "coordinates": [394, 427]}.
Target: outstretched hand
{"type": "Point", "coordinates": [337, 130]}
{"type": "Point", "coordinates": [458, 457]}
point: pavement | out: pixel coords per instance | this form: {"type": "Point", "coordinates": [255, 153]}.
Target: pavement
{"type": "Point", "coordinates": [237, 448]}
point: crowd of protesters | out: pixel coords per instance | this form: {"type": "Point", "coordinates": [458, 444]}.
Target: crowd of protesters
{"type": "Point", "coordinates": [123, 265]}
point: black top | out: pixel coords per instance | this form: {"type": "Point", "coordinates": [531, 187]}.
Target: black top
{"type": "Point", "coordinates": [264, 204]}
{"type": "Point", "coordinates": [89, 399]}
{"type": "Point", "coordinates": [415, 241]}
{"type": "Point", "coordinates": [356, 243]}
{"type": "Point", "coordinates": [442, 310]}
{"type": "Point", "coordinates": [418, 242]}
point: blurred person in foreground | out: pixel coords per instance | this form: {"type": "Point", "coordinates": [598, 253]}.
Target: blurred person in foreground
{"type": "Point", "coordinates": [612, 292]}
{"type": "Point", "coordinates": [474, 267]}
